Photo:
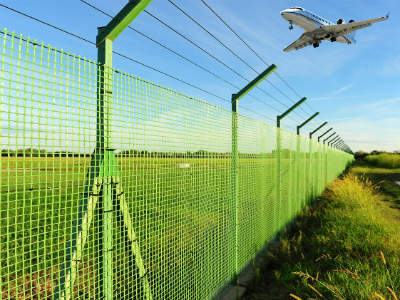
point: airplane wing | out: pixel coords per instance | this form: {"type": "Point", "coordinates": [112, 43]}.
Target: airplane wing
{"type": "Point", "coordinates": [347, 28]}
{"type": "Point", "coordinates": [303, 41]}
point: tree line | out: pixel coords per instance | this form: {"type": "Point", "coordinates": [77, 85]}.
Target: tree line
{"type": "Point", "coordinates": [33, 152]}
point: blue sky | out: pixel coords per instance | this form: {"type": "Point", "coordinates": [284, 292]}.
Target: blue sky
{"type": "Point", "coordinates": [355, 88]}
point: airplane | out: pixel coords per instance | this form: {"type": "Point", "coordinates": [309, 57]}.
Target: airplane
{"type": "Point", "coordinates": [317, 29]}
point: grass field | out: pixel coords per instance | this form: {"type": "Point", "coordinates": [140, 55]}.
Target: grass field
{"type": "Point", "coordinates": [182, 210]}
{"type": "Point", "coordinates": [183, 215]}
{"type": "Point", "coordinates": [384, 160]}
{"type": "Point", "coordinates": [344, 246]}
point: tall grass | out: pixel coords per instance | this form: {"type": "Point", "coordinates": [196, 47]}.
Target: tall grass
{"type": "Point", "coordinates": [345, 246]}
{"type": "Point", "coordinates": [384, 160]}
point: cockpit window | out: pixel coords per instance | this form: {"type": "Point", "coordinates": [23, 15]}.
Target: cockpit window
{"type": "Point", "coordinates": [296, 7]}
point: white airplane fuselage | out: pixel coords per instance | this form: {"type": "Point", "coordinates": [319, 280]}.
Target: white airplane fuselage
{"type": "Point", "coordinates": [309, 21]}
{"type": "Point", "coordinates": [304, 19]}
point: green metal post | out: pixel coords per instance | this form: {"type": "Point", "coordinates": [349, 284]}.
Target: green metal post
{"type": "Point", "coordinates": [326, 165]}
{"type": "Point", "coordinates": [278, 146]}
{"type": "Point", "coordinates": [102, 175]}
{"type": "Point", "coordinates": [235, 179]}
{"type": "Point", "coordinates": [277, 213]}
{"type": "Point", "coordinates": [104, 109]}
{"type": "Point", "coordinates": [313, 173]}
{"type": "Point", "coordinates": [310, 171]}
{"type": "Point", "coordinates": [235, 155]}
{"type": "Point", "coordinates": [297, 164]}
{"type": "Point", "coordinates": [322, 156]}
{"type": "Point", "coordinates": [298, 154]}
{"type": "Point", "coordinates": [326, 151]}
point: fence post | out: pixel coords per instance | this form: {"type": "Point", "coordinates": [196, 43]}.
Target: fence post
{"type": "Point", "coordinates": [313, 171]}
{"type": "Point", "coordinates": [304, 158]}
{"type": "Point", "coordinates": [102, 173]}
{"type": "Point", "coordinates": [326, 146]}
{"type": "Point", "coordinates": [310, 173]}
{"type": "Point", "coordinates": [235, 178]}
{"type": "Point", "coordinates": [103, 147]}
{"type": "Point", "coordinates": [235, 155]}
{"type": "Point", "coordinates": [278, 177]}
{"type": "Point", "coordinates": [278, 143]}
{"type": "Point", "coordinates": [326, 165]}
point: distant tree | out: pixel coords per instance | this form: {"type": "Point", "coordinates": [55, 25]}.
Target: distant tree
{"type": "Point", "coordinates": [7, 152]}
{"type": "Point", "coordinates": [360, 155]}
{"type": "Point", "coordinates": [376, 152]}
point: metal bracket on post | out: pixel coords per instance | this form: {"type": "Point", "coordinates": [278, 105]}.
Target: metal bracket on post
{"type": "Point", "coordinates": [333, 141]}
{"type": "Point", "coordinates": [326, 132]}
{"type": "Point", "coordinates": [235, 153]}
{"type": "Point", "coordinates": [280, 117]}
{"type": "Point", "coordinates": [102, 176]}
{"type": "Point", "coordinates": [329, 137]}
{"type": "Point", "coordinates": [306, 122]}
{"type": "Point", "coordinates": [318, 128]}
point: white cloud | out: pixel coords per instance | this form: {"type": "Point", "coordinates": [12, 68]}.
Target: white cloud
{"type": "Point", "coordinates": [341, 90]}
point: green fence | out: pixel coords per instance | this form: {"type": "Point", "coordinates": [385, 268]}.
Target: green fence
{"type": "Point", "coordinates": [151, 215]}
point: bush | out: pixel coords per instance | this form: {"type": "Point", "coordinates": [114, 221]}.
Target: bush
{"type": "Point", "coordinates": [385, 160]}
{"type": "Point", "coordinates": [360, 155]}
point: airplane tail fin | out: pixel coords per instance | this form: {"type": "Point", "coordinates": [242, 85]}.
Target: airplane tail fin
{"type": "Point", "coordinates": [352, 37]}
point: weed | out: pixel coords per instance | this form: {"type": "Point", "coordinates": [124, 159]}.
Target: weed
{"type": "Point", "coordinates": [344, 246]}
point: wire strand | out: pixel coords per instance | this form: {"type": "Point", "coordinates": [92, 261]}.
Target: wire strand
{"type": "Point", "coordinates": [48, 24]}
{"type": "Point", "coordinates": [252, 50]}
{"type": "Point", "coordinates": [209, 54]}
{"type": "Point", "coordinates": [181, 56]}
{"type": "Point", "coordinates": [117, 53]}
{"type": "Point", "coordinates": [236, 55]}
{"type": "Point", "coordinates": [123, 56]}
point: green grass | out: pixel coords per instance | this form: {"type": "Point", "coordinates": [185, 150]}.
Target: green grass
{"type": "Point", "coordinates": [184, 218]}
{"type": "Point", "coordinates": [384, 160]}
{"type": "Point", "coordinates": [344, 246]}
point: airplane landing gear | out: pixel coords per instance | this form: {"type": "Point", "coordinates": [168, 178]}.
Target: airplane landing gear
{"type": "Point", "coordinates": [333, 39]}
{"type": "Point", "coordinates": [316, 45]}
{"type": "Point", "coordinates": [291, 26]}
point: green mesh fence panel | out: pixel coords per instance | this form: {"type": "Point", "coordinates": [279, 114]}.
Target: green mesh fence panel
{"type": "Point", "coordinates": [139, 202]}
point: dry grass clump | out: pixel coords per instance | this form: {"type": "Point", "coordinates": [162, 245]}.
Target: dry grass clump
{"type": "Point", "coordinates": [355, 190]}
